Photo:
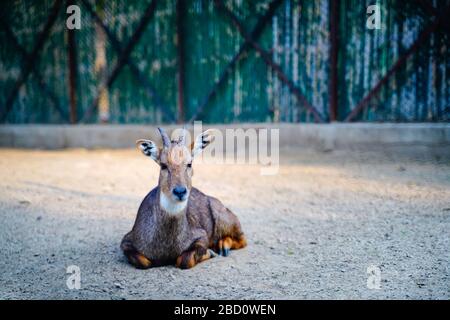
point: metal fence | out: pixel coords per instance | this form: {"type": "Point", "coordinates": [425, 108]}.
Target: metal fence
{"type": "Point", "coordinates": [154, 61]}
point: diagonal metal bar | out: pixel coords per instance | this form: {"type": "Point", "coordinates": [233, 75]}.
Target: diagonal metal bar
{"type": "Point", "coordinates": [142, 79]}
{"type": "Point", "coordinates": [123, 58]}
{"type": "Point", "coordinates": [26, 56]}
{"type": "Point", "coordinates": [28, 65]}
{"type": "Point", "coordinates": [255, 34]}
{"type": "Point", "coordinates": [363, 104]}
{"type": "Point", "coordinates": [265, 55]}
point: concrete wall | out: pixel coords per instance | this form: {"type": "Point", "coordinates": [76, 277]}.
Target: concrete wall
{"type": "Point", "coordinates": [367, 136]}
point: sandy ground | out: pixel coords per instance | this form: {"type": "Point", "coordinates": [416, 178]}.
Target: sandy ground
{"type": "Point", "coordinates": [313, 229]}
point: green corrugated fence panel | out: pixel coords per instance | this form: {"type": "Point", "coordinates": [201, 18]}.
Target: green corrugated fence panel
{"type": "Point", "coordinates": [297, 38]}
{"type": "Point", "coordinates": [419, 89]}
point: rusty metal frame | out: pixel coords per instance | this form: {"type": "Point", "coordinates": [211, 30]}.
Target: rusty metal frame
{"type": "Point", "coordinates": [32, 58]}
{"type": "Point", "coordinates": [265, 55]}
{"type": "Point", "coordinates": [364, 103]}
{"type": "Point", "coordinates": [245, 46]}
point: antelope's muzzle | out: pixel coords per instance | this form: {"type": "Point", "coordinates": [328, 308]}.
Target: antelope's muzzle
{"type": "Point", "coordinates": [180, 193]}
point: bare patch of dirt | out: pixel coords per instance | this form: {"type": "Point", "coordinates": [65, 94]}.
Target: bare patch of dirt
{"type": "Point", "coordinates": [313, 229]}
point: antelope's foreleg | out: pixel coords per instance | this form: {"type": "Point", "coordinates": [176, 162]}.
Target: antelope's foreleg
{"type": "Point", "coordinates": [194, 255]}
{"type": "Point", "coordinates": [136, 258]}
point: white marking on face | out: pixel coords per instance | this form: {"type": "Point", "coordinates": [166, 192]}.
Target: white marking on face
{"type": "Point", "coordinates": [172, 206]}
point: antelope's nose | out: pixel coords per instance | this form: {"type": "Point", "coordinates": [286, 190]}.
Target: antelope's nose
{"type": "Point", "coordinates": [179, 192]}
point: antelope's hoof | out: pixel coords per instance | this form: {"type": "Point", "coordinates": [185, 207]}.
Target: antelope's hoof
{"type": "Point", "coordinates": [212, 254]}
{"type": "Point", "coordinates": [224, 246]}
{"type": "Point", "coordinates": [186, 260]}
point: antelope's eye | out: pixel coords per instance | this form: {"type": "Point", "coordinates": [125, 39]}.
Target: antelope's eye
{"type": "Point", "coordinates": [163, 166]}
{"type": "Point", "coordinates": [189, 165]}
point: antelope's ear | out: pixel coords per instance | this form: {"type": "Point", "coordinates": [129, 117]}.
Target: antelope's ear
{"type": "Point", "coordinates": [202, 141]}
{"type": "Point", "coordinates": [148, 148]}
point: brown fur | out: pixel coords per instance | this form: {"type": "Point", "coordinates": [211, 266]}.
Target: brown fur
{"type": "Point", "coordinates": [185, 238]}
